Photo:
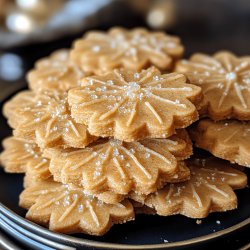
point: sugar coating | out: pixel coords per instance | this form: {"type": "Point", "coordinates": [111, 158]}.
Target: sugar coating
{"type": "Point", "coordinates": [229, 140]}
{"type": "Point", "coordinates": [70, 210]}
{"type": "Point", "coordinates": [122, 103]}
{"type": "Point", "coordinates": [55, 73]}
{"type": "Point", "coordinates": [20, 156]}
{"type": "Point", "coordinates": [45, 118]}
{"type": "Point", "coordinates": [210, 189]}
{"type": "Point", "coordinates": [225, 81]}
{"type": "Point", "coordinates": [131, 49]}
{"type": "Point", "coordinates": [129, 165]}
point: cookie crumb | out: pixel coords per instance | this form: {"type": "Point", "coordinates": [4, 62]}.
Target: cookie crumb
{"type": "Point", "coordinates": [198, 222]}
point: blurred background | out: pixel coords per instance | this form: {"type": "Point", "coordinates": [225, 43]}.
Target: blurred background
{"type": "Point", "coordinates": [31, 29]}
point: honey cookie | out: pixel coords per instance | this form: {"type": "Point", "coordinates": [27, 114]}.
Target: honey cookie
{"type": "Point", "coordinates": [20, 156]}
{"type": "Point", "coordinates": [229, 140]}
{"type": "Point", "coordinates": [45, 118]}
{"type": "Point", "coordinates": [130, 106]}
{"type": "Point", "coordinates": [119, 167]}
{"type": "Point", "coordinates": [210, 189]}
{"type": "Point", "coordinates": [63, 210]}
{"type": "Point", "coordinates": [225, 82]}
{"type": "Point", "coordinates": [55, 72]}
{"type": "Point", "coordinates": [100, 52]}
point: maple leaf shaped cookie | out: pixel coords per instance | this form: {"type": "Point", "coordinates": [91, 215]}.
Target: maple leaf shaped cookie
{"type": "Point", "coordinates": [20, 156]}
{"type": "Point", "coordinates": [120, 167]}
{"type": "Point", "coordinates": [225, 82]}
{"type": "Point", "coordinates": [100, 52]}
{"type": "Point", "coordinates": [45, 118]}
{"type": "Point", "coordinates": [229, 140]}
{"type": "Point", "coordinates": [55, 73]}
{"type": "Point", "coordinates": [210, 189]}
{"type": "Point", "coordinates": [130, 106]}
{"type": "Point", "coordinates": [70, 211]}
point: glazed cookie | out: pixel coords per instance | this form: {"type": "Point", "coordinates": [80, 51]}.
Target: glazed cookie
{"type": "Point", "coordinates": [100, 52]}
{"type": "Point", "coordinates": [20, 156]}
{"type": "Point", "coordinates": [229, 140]}
{"type": "Point", "coordinates": [70, 211]}
{"type": "Point", "coordinates": [210, 189]}
{"type": "Point", "coordinates": [55, 72]}
{"type": "Point", "coordinates": [130, 106]}
{"type": "Point", "coordinates": [120, 167]}
{"type": "Point", "coordinates": [225, 82]}
{"type": "Point", "coordinates": [45, 118]}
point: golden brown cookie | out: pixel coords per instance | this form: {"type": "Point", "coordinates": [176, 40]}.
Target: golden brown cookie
{"type": "Point", "coordinates": [210, 189]}
{"type": "Point", "coordinates": [29, 180]}
{"type": "Point", "coordinates": [63, 210]}
{"type": "Point", "coordinates": [45, 118]}
{"type": "Point", "coordinates": [225, 82]}
{"type": "Point", "coordinates": [179, 144]}
{"type": "Point", "coordinates": [55, 72]}
{"type": "Point", "coordinates": [130, 106]}
{"type": "Point", "coordinates": [99, 52]}
{"type": "Point", "coordinates": [110, 197]}
{"type": "Point", "coordinates": [183, 175]}
{"type": "Point", "coordinates": [229, 140]}
{"type": "Point", "coordinates": [120, 167]}
{"type": "Point", "coordinates": [139, 208]}
{"type": "Point", "coordinates": [20, 156]}
{"type": "Point", "coordinates": [106, 197]}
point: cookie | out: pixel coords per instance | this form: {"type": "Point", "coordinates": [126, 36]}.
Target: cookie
{"type": "Point", "coordinates": [120, 167]}
{"type": "Point", "coordinates": [71, 211]}
{"type": "Point", "coordinates": [182, 176]}
{"type": "Point", "coordinates": [210, 189]}
{"type": "Point", "coordinates": [129, 106]}
{"type": "Point", "coordinates": [178, 144]}
{"type": "Point", "coordinates": [45, 118]}
{"type": "Point", "coordinates": [141, 209]}
{"type": "Point", "coordinates": [107, 197]}
{"type": "Point", "coordinates": [29, 180]}
{"type": "Point", "coordinates": [100, 52]}
{"type": "Point", "coordinates": [55, 72]}
{"type": "Point", "coordinates": [20, 156]}
{"type": "Point", "coordinates": [225, 82]}
{"type": "Point", "coordinates": [229, 140]}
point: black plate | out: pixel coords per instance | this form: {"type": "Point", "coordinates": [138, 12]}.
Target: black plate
{"type": "Point", "coordinates": [145, 230]}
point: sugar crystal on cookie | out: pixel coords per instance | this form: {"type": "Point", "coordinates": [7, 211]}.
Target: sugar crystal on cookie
{"type": "Point", "coordinates": [124, 114]}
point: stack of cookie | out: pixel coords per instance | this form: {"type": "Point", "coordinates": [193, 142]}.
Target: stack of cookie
{"type": "Point", "coordinates": [101, 135]}
{"type": "Point", "coordinates": [225, 82]}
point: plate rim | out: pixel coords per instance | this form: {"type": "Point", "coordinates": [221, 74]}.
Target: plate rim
{"type": "Point", "coordinates": [13, 216]}
{"type": "Point", "coordinates": [26, 236]}
{"type": "Point", "coordinates": [6, 243]}
{"type": "Point", "coordinates": [92, 243]}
